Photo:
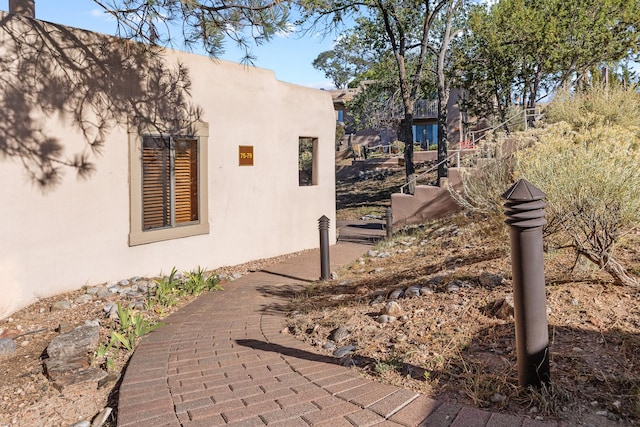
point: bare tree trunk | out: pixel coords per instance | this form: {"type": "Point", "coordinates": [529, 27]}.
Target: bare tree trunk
{"type": "Point", "coordinates": [406, 136]}
{"type": "Point", "coordinates": [612, 267]}
{"type": "Point", "coordinates": [443, 99]}
{"type": "Point", "coordinates": [619, 274]}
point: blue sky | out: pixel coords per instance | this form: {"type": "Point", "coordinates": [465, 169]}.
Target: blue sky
{"type": "Point", "coordinates": [290, 57]}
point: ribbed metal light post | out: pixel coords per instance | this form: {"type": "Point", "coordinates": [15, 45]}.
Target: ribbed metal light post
{"type": "Point", "coordinates": [323, 226]}
{"type": "Point", "coordinates": [525, 213]}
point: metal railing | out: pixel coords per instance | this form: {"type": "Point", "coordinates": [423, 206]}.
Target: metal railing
{"type": "Point", "coordinates": [525, 115]}
{"type": "Point", "coordinates": [432, 169]}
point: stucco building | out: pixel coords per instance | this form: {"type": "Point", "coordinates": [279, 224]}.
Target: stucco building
{"type": "Point", "coordinates": [119, 162]}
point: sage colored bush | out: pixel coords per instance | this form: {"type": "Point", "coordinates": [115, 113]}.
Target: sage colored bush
{"type": "Point", "coordinates": [592, 181]}
{"type": "Point", "coordinates": [586, 158]}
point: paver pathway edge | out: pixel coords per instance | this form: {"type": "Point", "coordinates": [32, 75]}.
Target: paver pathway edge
{"type": "Point", "coordinates": [224, 360]}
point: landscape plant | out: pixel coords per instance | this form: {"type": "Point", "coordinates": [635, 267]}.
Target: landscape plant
{"type": "Point", "coordinates": [585, 159]}
{"type": "Point", "coordinates": [199, 281]}
{"type": "Point", "coordinates": [165, 293]}
{"type": "Point", "coordinates": [592, 181]}
{"type": "Point", "coordinates": [131, 326]}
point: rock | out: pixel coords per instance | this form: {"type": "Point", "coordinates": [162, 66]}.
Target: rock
{"type": "Point", "coordinates": [377, 300]}
{"type": "Point", "coordinates": [339, 334]}
{"type": "Point", "coordinates": [57, 366]}
{"type": "Point", "coordinates": [64, 379]}
{"type": "Point", "coordinates": [398, 293]}
{"type": "Point", "coordinates": [7, 346]}
{"type": "Point", "coordinates": [435, 280]}
{"type": "Point", "coordinates": [64, 327]}
{"type": "Point", "coordinates": [101, 418]}
{"type": "Point", "coordinates": [504, 308]}
{"type": "Point", "coordinates": [113, 314]}
{"type": "Point", "coordinates": [143, 287]}
{"type": "Point", "coordinates": [83, 423]}
{"type": "Point", "coordinates": [137, 305]}
{"type": "Point", "coordinates": [412, 291]}
{"type": "Point", "coordinates": [489, 280]}
{"type": "Point", "coordinates": [77, 342]}
{"type": "Point", "coordinates": [329, 345]}
{"type": "Point", "coordinates": [94, 322]}
{"type": "Point", "coordinates": [385, 318]}
{"type": "Point", "coordinates": [454, 286]}
{"type": "Point", "coordinates": [110, 378]}
{"type": "Point", "coordinates": [124, 282]}
{"type": "Point", "coordinates": [94, 290]}
{"type": "Point", "coordinates": [83, 299]}
{"type": "Point", "coordinates": [60, 306]}
{"type": "Point", "coordinates": [334, 275]}
{"type": "Point", "coordinates": [426, 290]}
{"type": "Point", "coordinates": [344, 350]}
{"type": "Point", "coordinates": [103, 292]}
{"type": "Point", "coordinates": [392, 308]}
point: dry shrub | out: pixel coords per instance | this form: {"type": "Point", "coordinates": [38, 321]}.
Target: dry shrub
{"type": "Point", "coordinates": [597, 106]}
{"type": "Point", "coordinates": [592, 181]}
{"type": "Point", "coordinates": [488, 175]}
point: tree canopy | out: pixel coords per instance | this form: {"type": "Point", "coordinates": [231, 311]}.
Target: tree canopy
{"type": "Point", "coordinates": [519, 51]}
{"type": "Point", "coordinates": [205, 23]}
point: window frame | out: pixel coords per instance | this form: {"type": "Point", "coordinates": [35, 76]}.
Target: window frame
{"type": "Point", "coordinates": [314, 162]}
{"type": "Point", "coordinates": [139, 236]}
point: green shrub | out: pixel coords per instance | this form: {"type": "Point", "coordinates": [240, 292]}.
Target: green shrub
{"type": "Point", "coordinates": [199, 281]}
{"type": "Point", "coordinates": [592, 182]}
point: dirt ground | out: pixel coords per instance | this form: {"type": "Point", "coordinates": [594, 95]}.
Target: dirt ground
{"type": "Point", "coordinates": [27, 396]}
{"type": "Point", "coordinates": [450, 344]}
{"type": "Point", "coordinates": [458, 342]}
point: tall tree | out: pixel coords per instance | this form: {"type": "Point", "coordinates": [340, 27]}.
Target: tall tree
{"type": "Point", "coordinates": [522, 49]}
{"type": "Point", "coordinates": [348, 58]}
{"type": "Point", "coordinates": [405, 27]}
{"type": "Point", "coordinates": [449, 30]}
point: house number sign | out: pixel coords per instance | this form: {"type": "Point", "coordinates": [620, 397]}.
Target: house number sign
{"type": "Point", "coordinates": [245, 155]}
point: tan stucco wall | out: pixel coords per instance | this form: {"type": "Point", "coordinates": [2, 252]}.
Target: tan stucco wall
{"type": "Point", "coordinates": [76, 233]}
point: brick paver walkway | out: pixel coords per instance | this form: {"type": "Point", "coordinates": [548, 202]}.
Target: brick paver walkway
{"type": "Point", "coordinates": [222, 360]}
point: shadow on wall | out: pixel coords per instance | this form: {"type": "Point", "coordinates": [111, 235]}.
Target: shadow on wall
{"type": "Point", "coordinates": [91, 80]}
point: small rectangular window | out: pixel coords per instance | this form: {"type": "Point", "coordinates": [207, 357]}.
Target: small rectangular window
{"type": "Point", "coordinates": [169, 182]}
{"type": "Point", "coordinates": [306, 161]}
